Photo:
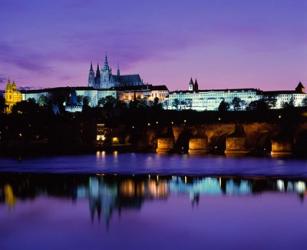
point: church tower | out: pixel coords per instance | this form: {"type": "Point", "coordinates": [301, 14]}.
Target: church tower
{"type": "Point", "coordinates": [191, 85]}
{"type": "Point", "coordinates": [106, 73]}
{"type": "Point", "coordinates": [300, 88]}
{"type": "Point", "coordinates": [98, 77]}
{"type": "Point", "coordinates": [91, 77]}
{"type": "Point", "coordinates": [196, 86]}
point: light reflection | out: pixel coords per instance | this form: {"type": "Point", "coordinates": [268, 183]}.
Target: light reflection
{"type": "Point", "coordinates": [108, 193]}
{"type": "Point", "coordinates": [280, 185]}
{"type": "Point", "coordinates": [300, 187]}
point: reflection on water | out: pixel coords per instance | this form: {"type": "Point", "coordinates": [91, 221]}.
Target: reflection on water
{"type": "Point", "coordinates": [106, 194]}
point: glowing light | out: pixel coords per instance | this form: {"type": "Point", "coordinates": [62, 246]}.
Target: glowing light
{"type": "Point", "coordinates": [100, 138]}
{"type": "Point", "coordinates": [148, 124]}
{"type": "Point", "coordinates": [280, 185]}
{"type": "Point", "coordinates": [115, 140]}
{"type": "Point", "coordinates": [300, 187]}
{"type": "Point", "coordinates": [98, 154]}
{"type": "Point", "coordinates": [10, 199]}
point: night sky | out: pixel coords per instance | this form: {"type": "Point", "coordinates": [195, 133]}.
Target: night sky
{"type": "Point", "coordinates": [222, 43]}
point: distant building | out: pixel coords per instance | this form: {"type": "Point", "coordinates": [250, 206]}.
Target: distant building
{"type": "Point", "coordinates": [104, 79]}
{"type": "Point", "coordinates": [147, 93]}
{"type": "Point", "coordinates": [200, 100]}
{"type": "Point", "coordinates": [238, 99]}
{"type": "Point", "coordinates": [127, 88]}
{"type": "Point", "coordinates": [75, 97]}
{"type": "Point", "coordinates": [101, 84]}
{"type": "Point", "coordinates": [11, 96]}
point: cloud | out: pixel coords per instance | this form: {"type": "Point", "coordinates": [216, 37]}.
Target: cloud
{"type": "Point", "coordinates": [22, 57]}
{"type": "Point", "coordinates": [2, 79]}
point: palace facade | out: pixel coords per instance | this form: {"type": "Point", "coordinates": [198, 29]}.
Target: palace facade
{"type": "Point", "coordinates": [237, 99]}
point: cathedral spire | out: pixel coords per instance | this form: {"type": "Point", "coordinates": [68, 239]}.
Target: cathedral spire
{"type": "Point", "coordinates": [98, 71]}
{"type": "Point", "coordinates": [91, 76]}
{"type": "Point", "coordinates": [106, 63]}
{"type": "Point", "coordinates": [191, 85]}
{"type": "Point", "coordinates": [118, 70]}
{"type": "Point", "coordinates": [196, 85]}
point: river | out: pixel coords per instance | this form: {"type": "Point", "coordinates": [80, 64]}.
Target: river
{"type": "Point", "coordinates": [146, 201]}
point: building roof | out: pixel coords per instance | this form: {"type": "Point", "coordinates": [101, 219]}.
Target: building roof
{"type": "Point", "coordinates": [158, 87]}
{"type": "Point", "coordinates": [29, 91]}
{"type": "Point", "coordinates": [127, 79]}
{"type": "Point", "coordinates": [280, 92]}
{"type": "Point", "coordinates": [144, 87]}
{"type": "Point", "coordinates": [218, 90]}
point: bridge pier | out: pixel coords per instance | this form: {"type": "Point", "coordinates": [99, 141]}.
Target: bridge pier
{"type": "Point", "coordinates": [236, 143]}
{"type": "Point", "coordinates": [165, 145]}
{"type": "Point", "coordinates": [281, 148]}
{"type": "Point", "coordinates": [198, 146]}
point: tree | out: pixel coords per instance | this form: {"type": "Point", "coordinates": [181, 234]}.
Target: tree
{"type": "Point", "coordinates": [86, 103]}
{"type": "Point", "coordinates": [156, 104]}
{"type": "Point", "coordinates": [224, 106]}
{"type": "Point", "coordinates": [43, 100]}
{"type": "Point", "coordinates": [288, 105]}
{"type": "Point", "coordinates": [176, 103]}
{"type": "Point", "coordinates": [2, 104]}
{"type": "Point", "coordinates": [270, 101]}
{"type": "Point", "coordinates": [304, 102]}
{"type": "Point", "coordinates": [259, 105]}
{"type": "Point", "coordinates": [237, 103]}
{"type": "Point", "coordinates": [102, 102]}
{"type": "Point", "coordinates": [110, 102]}
{"type": "Point", "coordinates": [26, 107]}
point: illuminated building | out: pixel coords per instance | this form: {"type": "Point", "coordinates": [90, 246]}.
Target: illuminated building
{"type": "Point", "coordinates": [104, 79]}
{"type": "Point", "coordinates": [147, 93]}
{"type": "Point", "coordinates": [210, 99]}
{"type": "Point", "coordinates": [11, 96]}
{"type": "Point", "coordinates": [126, 88]}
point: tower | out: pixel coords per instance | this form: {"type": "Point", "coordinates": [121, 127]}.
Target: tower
{"type": "Point", "coordinates": [11, 96]}
{"type": "Point", "coordinates": [97, 78]}
{"type": "Point", "coordinates": [106, 73]}
{"type": "Point", "coordinates": [118, 71]}
{"type": "Point", "coordinates": [191, 85]}
{"type": "Point", "coordinates": [91, 77]}
{"type": "Point", "coordinates": [195, 85]}
{"type": "Point", "coordinates": [300, 88]}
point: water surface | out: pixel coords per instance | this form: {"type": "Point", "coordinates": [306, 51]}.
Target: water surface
{"type": "Point", "coordinates": [163, 164]}
{"type": "Point", "coordinates": [147, 201]}
{"type": "Point", "coordinates": [151, 212]}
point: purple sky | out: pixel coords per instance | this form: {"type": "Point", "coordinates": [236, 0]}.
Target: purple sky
{"type": "Point", "coordinates": [225, 44]}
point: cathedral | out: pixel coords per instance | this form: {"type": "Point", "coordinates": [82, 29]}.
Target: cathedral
{"type": "Point", "coordinates": [104, 79]}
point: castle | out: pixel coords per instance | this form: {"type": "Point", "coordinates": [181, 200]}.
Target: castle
{"type": "Point", "coordinates": [126, 88]}
{"type": "Point", "coordinates": [104, 79]}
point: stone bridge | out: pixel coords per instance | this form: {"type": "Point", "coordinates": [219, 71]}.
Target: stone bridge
{"type": "Point", "coordinates": [231, 139]}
